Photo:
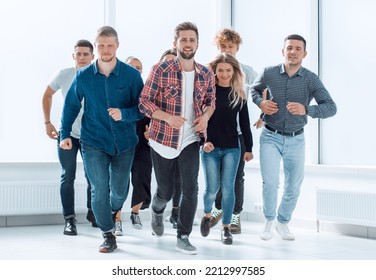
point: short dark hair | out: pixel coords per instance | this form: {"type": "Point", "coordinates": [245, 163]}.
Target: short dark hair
{"type": "Point", "coordinates": [84, 43]}
{"type": "Point", "coordinates": [296, 37]}
{"type": "Point", "coordinates": [167, 52]}
{"type": "Point", "coordinates": [185, 26]}
{"type": "Point", "coordinates": [131, 58]}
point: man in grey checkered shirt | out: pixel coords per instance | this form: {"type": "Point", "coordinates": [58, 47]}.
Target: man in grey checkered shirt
{"type": "Point", "coordinates": [291, 88]}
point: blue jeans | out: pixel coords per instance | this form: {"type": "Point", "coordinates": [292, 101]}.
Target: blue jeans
{"type": "Point", "coordinates": [68, 162]}
{"type": "Point", "coordinates": [188, 163]}
{"type": "Point", "coordinates": [291, 150]}
{"type": "Point", "coordinates": [220, 167]}
{"type": "Point", "coordinates": [239, 183]}
{"type": "Point", "coordinates": [109, 178]}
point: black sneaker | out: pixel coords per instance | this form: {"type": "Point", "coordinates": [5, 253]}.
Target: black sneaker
{"type": "Point", "coordinates": [157, 223]}
{"type": "Point", "coordinates": [174, 217]}
{"type": "Point", "coordinates": [226, 236]}
{"type": "Point", "coordinates": [205, 226]}
{"type": "Point", "coordinates": [109, 243]}
{"type": "Point", "coordinates": [70, 227]}
{"type": "Point", "coordinates": [90, 217]}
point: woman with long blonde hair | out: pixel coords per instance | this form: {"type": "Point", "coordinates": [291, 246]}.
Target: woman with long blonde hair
{"type": "Point", "coordinates": [221, 152]}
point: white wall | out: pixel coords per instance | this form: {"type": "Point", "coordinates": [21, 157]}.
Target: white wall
{"type": "Point", "coordinates": [38, 38]}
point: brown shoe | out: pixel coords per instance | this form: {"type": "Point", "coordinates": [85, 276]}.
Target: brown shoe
{"type": "Point", "coordinates": [235, 224]}
{"type": "Point", "coordinates": [205, 226]}
{"type": "Point", "coordinates": [216, 216]}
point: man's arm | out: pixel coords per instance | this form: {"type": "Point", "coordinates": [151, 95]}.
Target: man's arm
{"type": "Point", "coordinates": [201, 123]}
{"type": "Point", "coordinates": [71, 109]}
{"type": "Point", "coordinates": [47, 105]}
{"type": "Point", "coordinates": [174, 121]}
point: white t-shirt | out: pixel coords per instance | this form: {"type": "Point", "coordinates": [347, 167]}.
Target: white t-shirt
{"type": "Point", "coordinates": [187, 133]}
{"type": "Point", "coordinates": [62, 80]}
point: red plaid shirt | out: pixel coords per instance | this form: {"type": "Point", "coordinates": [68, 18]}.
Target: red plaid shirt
{"type": "Point", "coordinates": [163, 90]}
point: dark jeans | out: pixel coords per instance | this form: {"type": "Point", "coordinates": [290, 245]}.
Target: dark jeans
{"type": "Point", "coordinates": [68, 162]}
{"type": "Point", "coordinates": [177, 195]}
{"type": "Point", "coordinates": [141, 176]}
{"type": "Point", "coordinates": [188, 163]}
{"type": "Point", "coordinates": [239, 183]}
{"type": "Point", "coordinates": [107, 172]}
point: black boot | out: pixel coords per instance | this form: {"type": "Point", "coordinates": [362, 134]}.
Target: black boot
{"type": "Point", "coordinates": [174, 217]}
{"type": "Point", "coordinates": [90, 217]}
{"type": "Point", "coordinates": [70, 227]}
{"type": "Point", "coordinates": [226, 236]}
{"type": "Point", "coordinates": [109, 243]}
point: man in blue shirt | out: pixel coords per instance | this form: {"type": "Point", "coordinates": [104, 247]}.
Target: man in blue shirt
{"type": "Point", "coordinates": [109, 90]}
{"type": "Point", "coordinates": [291, 88]}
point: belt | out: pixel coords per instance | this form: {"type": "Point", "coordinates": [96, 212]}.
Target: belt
{"type": "Point", "coordinates": [291, 134]}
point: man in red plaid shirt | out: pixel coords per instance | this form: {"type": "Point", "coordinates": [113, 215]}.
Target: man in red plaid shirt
{"type": "Point", "coordinates": [179, 97]}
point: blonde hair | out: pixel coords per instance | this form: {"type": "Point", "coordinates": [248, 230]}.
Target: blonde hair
{"type": "Point", "coordinates": [237, 94]}
{"type": "Point", "coordinates": [227, 35]}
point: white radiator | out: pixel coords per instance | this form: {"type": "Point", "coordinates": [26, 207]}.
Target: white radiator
{"type": "Point", "coordinates": [347, 207]}
{"type": "Point", "coordinates": [37, 197]}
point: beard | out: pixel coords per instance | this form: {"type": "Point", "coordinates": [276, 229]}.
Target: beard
{"type": "Point", "coordinates": [107, 58]}
{"type": "Point", "coordinates": [186, 56]}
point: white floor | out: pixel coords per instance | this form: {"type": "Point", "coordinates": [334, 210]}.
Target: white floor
{"type": "Point", "coordinates": [49, 243]}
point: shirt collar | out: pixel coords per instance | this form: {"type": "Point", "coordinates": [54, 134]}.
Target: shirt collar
{"type": "Point", "coordinates": [299, 73]}
{"type": "Point", "coordinates": [177, 66]}
{"type": "Point", "coordinates": [114, 71]}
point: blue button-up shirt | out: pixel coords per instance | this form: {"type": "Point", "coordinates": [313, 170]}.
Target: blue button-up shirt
{"type": "Point", "coordinates": [301, 87]}
{"type": "Point", "coordinates": [121, 89]}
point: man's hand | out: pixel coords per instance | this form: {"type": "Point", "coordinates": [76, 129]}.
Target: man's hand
{"type": "Point", "coordinates": [51, 131]}
{"type": "Point", "coordinates": [115, 114]}
{"type": "Point", "coordinates": [269, 107]}
{"type": "Point", "coordinates": [66, 144]}
{"type": "Point", "coordinates": [296, 108]}
{"type": "Point", "coordinates": [176, 121]}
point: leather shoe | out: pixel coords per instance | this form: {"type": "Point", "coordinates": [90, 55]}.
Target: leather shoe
{"type": "Point", "coordinates": [90, 217]}
{"type": "Point", "coordinates": [70, 227]}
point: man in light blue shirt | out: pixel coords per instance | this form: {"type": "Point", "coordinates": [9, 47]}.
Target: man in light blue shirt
{"type": "Point", "coordinates": [110, 90]}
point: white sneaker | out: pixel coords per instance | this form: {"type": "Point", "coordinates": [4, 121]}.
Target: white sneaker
{"type": "Point", "coordinates": [284, 231]}
{"type": "Point", "coordinates": [267, 234]}
{"type": "Point", "coordinates": [118, 228]}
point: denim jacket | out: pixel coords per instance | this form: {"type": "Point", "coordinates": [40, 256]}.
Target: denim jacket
{"type": "Point", "coordinates": [121, 89]}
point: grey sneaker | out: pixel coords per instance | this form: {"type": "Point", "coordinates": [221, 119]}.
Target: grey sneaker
{"type": "Point", "coordinates": [136, 221]}
{"type": "Point", "coordinates": [157, 223]}
{"type": "Point", "coordinates": [184, 246]}
{"type": "Point", "coordinates": [118, 228]}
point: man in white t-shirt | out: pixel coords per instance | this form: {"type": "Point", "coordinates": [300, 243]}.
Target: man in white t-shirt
{"type": "Point", "coordinates": [179, 97]}
{"type": "Point", "coordinates": [62, 80]}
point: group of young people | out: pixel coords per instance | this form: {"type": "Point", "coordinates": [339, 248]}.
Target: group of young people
{"type": "Point", "coordinates": [184, 110]}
